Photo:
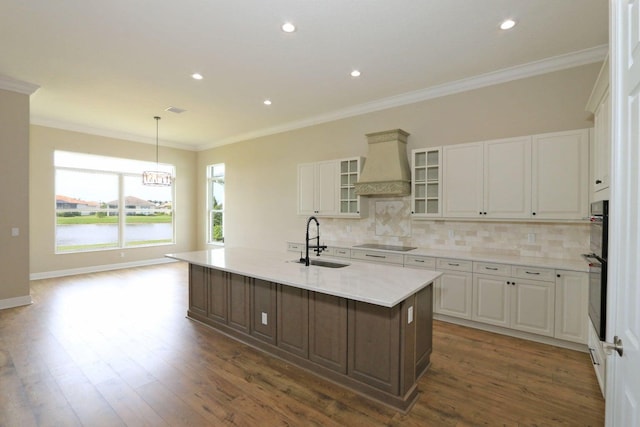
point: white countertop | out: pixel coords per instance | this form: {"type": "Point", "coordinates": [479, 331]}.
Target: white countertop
{"type": "Point", "coordinates": [577, 263]}
{"type": "Point", "coordinates": [383, 285]}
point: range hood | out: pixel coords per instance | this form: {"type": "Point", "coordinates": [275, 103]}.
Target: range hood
{"type": "Point", "coordinates": [386, 171]}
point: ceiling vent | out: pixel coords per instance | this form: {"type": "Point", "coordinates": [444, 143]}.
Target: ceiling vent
{"type": "Point", "coordinates": [175, 110]}
{"type": "Point", "coordinates": [386, 170]}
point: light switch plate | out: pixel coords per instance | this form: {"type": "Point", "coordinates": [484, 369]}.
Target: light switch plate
{"type": "Point", "coordinates": [264, 318]}
{"type": "Point", "coordinates": [15, 231]}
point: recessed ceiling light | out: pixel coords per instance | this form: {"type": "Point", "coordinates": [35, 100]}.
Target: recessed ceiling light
{"type": "Point", "coordinates": [267, 102]}
{"type": "Point", "coordinates": [507, 24]}
{"type": "Point", "coordinates": [355, 73]}
{"type": "Point", "coordinates": [288, 27]}
{"type": "Point", "coordinates": [197, 76]}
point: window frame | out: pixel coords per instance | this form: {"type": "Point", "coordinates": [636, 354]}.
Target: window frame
{"type": "Point", "coordinates": [211, 211]}
{"type": "Point", "coordinates": [120, 211]}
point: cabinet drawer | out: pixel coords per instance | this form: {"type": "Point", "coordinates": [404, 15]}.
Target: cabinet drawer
{"type": "Point", "coordinates": [454, 264]}
{"type": "Point", "coordinates": [533, 273]}
{"type": "Point", "coordinates": [419, 261]}
{"type": "Point", "coordinates": [341, 252]}
{"type": "Point", "coordinates": [295, 247]}
{"type": "Point", "coordinates": [377, 256]}
{"type": "Point", "coordinates": [492, 268]}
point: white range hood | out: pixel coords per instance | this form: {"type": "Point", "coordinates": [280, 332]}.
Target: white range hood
{"type": "Point", "coordinates": [386, 170]}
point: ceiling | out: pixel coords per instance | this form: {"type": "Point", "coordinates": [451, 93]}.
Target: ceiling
{"type": "Point", "coordinates": [108, 67]}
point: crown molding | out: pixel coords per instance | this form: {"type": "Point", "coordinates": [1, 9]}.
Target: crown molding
{"type": "Point", "coordinates": [531, 69]}
{"type": "Point", "coordinates": [13, 85]}
{"type": "Point", "coordinates": [75, 127]}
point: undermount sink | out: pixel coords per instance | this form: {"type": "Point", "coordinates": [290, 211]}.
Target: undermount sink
{"type": "Point", "coordinates": [322, 263]}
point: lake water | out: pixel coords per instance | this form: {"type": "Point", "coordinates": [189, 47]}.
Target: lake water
{"type": "Point", "coordinates": [90, 234]}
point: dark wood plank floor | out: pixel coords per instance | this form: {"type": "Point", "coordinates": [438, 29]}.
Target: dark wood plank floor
{"type": "Point", "coordinates": [115, 348]}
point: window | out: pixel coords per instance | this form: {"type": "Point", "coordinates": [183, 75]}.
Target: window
{"type": "Point", "coordinates": [215, 204]}
{"type": "Point", "coordinates": [102, 204]}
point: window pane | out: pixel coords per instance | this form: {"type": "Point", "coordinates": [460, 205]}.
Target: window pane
{"type": "Point", "coordinates": [83, 218]}
{"type": "Point", "coordinates": [148, 213]}
{"type": "Point", "coordinates": [216, 228]}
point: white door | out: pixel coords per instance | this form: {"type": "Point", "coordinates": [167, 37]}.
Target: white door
{"type": "Point", "coordinates": [623, 317]}
{"type": "Point", "coordinates": [462, 180]}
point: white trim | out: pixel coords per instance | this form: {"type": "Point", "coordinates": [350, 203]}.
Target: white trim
{"type": "Point", "coordinates": [548, 65]}
{"type": "Point", "coordinates": [15, 302]}
{"type": "Point", "coordinates": [98, 268]}
{"type": "Point", "coordinates": [7, 83]}
{"type": "Point", "coordinates": [513, 333]}
{"type": "Point", "coordinates": [75, 127]}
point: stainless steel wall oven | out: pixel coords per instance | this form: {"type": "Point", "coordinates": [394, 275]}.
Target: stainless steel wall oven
{"type": "Point", "coordinates": [597, 260]}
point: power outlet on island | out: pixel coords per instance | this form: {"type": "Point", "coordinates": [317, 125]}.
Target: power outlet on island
{"type": "Point", "coordinates": [410, 315]}
{"type": "Point", "coordinates": [264, 318]}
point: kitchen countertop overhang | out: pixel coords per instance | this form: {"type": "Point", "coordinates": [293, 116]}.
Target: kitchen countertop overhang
{"type": "Point", "coordinates": [383, 285]}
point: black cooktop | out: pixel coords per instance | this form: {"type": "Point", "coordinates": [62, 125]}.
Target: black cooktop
{"type": "Point", "coordinates": [385, 247]}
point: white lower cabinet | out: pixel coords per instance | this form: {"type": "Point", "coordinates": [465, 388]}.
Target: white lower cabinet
{"type": "Point", "coordinates": [453, 290]}
{"type": "Point", "coordinates": [521, 304]}
{"type": "Point", "coordinates": [572, 301]}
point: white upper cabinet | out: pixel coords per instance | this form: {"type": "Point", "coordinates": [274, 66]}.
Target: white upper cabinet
{"type": "Point", "coordinates": [531, 177]}
{"type": "Point", "coordinates": [318, 188]}
{"type": "Point", "coordinates": [560, 163]}
{"type": "Point", "coordinates": [600, 105]}
{"type": "Point", "coordinates": [426, 182]}
{"type": "Point", "coordinates": [327, 188]}
{"type": "Point", "coordinates": [463, 170]}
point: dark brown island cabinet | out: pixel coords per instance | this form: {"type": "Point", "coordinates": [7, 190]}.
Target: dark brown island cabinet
{"type": "Point", "coordinates": [377, 351]}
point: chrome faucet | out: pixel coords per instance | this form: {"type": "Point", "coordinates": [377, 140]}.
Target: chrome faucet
{"type": "Point", "coordinates": [317, 248]}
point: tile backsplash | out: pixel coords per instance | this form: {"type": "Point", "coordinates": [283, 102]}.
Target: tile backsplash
{"type": "Point", "coordinates": [389, 222]}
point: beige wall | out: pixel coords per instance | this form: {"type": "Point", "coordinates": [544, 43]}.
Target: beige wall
{"type": "Point", "coordinates": [44, 141]}
{"type": "Point", "coordinates": [14, 208]}
{"type": "Point", "coordinates": [261, 174]}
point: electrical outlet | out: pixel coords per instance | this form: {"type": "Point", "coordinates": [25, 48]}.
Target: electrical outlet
{"type": "Point", "coordinates": [264, 318]}
{"type": "Point", "coordinates": [15, 231]}
{"type": "Point", "coordinates": [410, 315]}
{"type": "Point", "coordinates": [451, 234]}
{"type": "Point", "coordinates": [531, 237]}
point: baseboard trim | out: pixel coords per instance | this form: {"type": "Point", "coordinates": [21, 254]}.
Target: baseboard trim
{"type": "Point", "coordinates": [98, 268]}
{"type": "Point", "coordinates": [513, 333]}
{"type": "Point", "coordinates": [15, 302]}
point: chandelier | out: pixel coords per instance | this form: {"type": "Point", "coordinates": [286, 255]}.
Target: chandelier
{"type": "Point", "coordinates": [157, 178]}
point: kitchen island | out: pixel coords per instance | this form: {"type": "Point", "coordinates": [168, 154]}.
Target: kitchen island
{"type": "Point", "coordinates": [365, 326]}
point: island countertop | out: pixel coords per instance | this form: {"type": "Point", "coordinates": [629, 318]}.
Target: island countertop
{"type": "Point", "coordinates": [377, 284]}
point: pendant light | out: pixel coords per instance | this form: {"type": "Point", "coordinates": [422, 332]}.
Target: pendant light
{"type": "Point", "coordinates": [157, 178]}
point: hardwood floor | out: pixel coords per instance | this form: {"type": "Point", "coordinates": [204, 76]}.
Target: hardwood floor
{"type": "Point", "coordinates": [115, 348]}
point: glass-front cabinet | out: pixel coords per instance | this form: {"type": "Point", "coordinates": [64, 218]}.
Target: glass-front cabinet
{"type": "Point", "coordinates": [426, 182]}
{"type": "Point", "coordinates": [349, 173]}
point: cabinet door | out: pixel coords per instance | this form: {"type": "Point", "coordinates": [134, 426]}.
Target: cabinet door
{"type": "Point", "coordinates": [307, 189]}
{"type": "Point", "coordinates": [328, 331]}
{"type": "Point", "coordinates": [491, 300]}
{"type": "Point", "coordinates": [453, 292]}
{"type": "Point", "coordinates": [463, 180]}
{"type": "Point", "coordinates": [602, 145]}
{"type": "Point", "coordinates": [217, 306]}
{"type": "Point", "coordinates": [572, 305]}
{"type": "Point", "coordinates": [198, 284]}
{"type": "Point", "coordinates": [507, 178]}
{"type": "Point", "coordinates": [293, 320]}
{"type": "Point", "coordinates": [560, 172]}
{"type": "Point", "coordinates": [426, 182]}
{"type": "Point", "coordinates": [239, 296]}
{"type": "Point", "coordinates": [533, 306]}
{"type": "Point", "coordinates": [263, 311]}
{"type": "Point", "coordinates": [327, 188]}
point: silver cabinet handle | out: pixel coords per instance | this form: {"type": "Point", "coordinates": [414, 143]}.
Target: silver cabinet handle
{"type": "Point", "coordinates": [492, 268]}
{"type": "Point", "coordinates": [535, 273]}
{"type": "Point", "coordinates": [418, 260]}
{"type": "Point", "coordinates": [453, 265]}
{"type": "Point", "coordinates": [593, 359]}
{"type": "Point", "coordinates": [375, 256]}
